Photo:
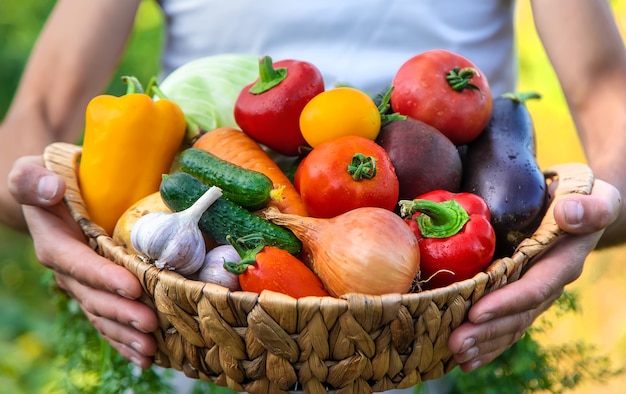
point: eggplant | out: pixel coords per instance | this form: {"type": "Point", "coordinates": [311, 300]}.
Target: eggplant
{"type": "Point", "coordinates": [500, 165]}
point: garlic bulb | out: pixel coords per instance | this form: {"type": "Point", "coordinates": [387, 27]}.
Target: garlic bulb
{"type": "Point", "coordinates": [213, 271]}
{"type": "Point", "coordinates": [173, 239]}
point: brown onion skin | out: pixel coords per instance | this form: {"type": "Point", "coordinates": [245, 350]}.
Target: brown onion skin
{"type": "Point", "coordinates": [365, 250]}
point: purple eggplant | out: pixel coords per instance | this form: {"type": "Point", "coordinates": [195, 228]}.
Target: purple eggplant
{"type": "Point", "coordinates": [501, 167]}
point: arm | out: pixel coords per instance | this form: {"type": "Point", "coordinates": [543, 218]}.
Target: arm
{"type": "Point", "coordinates": [72, 61]}
{"type": "Point", "coordinates": [585, 48]}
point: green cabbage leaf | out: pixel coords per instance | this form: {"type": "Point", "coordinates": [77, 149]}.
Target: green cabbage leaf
{"type": "Point", "coordinates": [206, 89]}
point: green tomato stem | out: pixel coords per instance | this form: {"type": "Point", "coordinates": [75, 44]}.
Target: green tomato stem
{"type": "Point", "coordinates": [384, 107]}
{"type": "Point", "coordinates": [438, 219]}
{"type": "Point", "coordinates": [268, 76]}
{"type": "Point", "coordinates": [362, 167]}
{"type": "Point", "coordinates": [248, 254]}
{"type": "Point", "coordinates": [460, 79]}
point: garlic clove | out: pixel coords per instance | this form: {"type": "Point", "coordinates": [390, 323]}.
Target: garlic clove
{"type": "Point", "coordinates": [213, 271]}
{"type": "Point", "coordinates": [184, 252]}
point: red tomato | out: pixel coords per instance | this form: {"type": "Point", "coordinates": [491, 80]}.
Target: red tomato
{"type": "Point", "coordinates": [347, 173]}
{"type": "Point", "coordinates": [445, 90]}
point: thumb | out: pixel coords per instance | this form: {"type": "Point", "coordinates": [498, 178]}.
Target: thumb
{"type": "Point", "coordinates": [30, 183]}
{"type": "Point", "coordinates": [586, 214]}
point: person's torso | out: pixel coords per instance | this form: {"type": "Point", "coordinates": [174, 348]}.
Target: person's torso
{"type": "Point", "coordinates": [357, 42]}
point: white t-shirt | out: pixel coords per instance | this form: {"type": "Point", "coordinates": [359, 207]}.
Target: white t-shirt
{"type": "Point", "coordinates": [358, 42]}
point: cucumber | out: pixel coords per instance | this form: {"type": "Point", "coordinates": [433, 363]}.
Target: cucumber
{"type": "Point", "coordinates": [249, 189]}
{"type": "Point", "coordinates": [225, 217]}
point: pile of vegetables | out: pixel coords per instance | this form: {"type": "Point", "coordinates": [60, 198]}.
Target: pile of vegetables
{"type": "Point", "coordinates": [414, 189]}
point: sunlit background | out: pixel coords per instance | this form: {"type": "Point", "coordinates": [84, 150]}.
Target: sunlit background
{"type": "Point", "coordinates": [602, 287]}
{"type": "Point", "coordinates": [27, 311]}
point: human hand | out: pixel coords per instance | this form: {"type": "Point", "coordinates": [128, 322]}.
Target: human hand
{"type": "Point", "coordinates": [499, 319]}
{"type": "Point", "coordinates": [106, 292]}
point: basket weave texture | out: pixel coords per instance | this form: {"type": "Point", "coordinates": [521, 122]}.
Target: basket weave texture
{"type": "Point", "coordinates": [272, 343]}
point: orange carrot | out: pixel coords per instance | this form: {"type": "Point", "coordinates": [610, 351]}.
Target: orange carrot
{"type": "Point", "coordinates": [236, 147]}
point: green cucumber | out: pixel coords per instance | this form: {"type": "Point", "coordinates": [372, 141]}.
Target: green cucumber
{"type": "Point", "coordinates": [248, 188]}
{"type": "Point", "coordinates": [225, 217]}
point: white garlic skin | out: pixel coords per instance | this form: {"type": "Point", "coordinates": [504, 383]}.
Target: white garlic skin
{"type": "Point", "coordinates": [213, 271]}
{"type": "Point", "coordinates": [171, 243]}
{"type": "Point", "coordinates": [174, 240]}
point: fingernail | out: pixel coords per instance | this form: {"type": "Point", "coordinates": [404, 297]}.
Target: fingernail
{"type": "Point", "coordinates": [136, 326]}
{"type": "Point", "coordinates": [475, 364]}
{"type": "Point", "coordinates": [573, 212]}
{"type": "Point", "coordinates": [135, 361]}
{"type": "Point", "coordinates": [469, 342]}
{"type": "Point", "coordinates": [122, 293]}
{"type": "Point", "coordinates": [483, 318]}
{"type": "Point", "coordinates": [47, 187]}
{"type": "Point", "coordinates": [472, 353]}
{"type": "Point", "coordinates": [136, 346]}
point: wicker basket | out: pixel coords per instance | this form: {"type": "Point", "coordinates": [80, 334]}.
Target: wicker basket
{"type": "Point", "coordinates": [272, 343]}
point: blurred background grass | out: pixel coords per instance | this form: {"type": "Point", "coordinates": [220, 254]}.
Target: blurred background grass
{"type": "Point", "coordinates": [27, 310]}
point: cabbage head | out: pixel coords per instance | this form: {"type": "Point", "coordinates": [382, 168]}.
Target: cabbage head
{"type": "Point", "coordinates": [206, 89]}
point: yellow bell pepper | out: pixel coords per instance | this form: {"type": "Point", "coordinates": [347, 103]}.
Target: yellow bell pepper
{"type": "Point", "coordinates": [129, 143]}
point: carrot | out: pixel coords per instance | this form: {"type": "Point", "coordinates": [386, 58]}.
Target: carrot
{"type": "Point", "coordinates": [236, 147]}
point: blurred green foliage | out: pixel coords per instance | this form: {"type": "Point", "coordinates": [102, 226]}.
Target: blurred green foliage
{"type": "Point", "coordinates": [20, 23]}
{"type": "Point", "coordinates": [26, 315]}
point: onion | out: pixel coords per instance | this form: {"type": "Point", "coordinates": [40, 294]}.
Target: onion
{"type": "Point", "coordinates": [365, 250]}
{"type": "Point", "coordinates": [213, 271]}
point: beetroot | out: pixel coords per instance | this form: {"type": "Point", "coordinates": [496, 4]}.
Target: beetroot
{"type": "Point", "coordinates": [423, 157]}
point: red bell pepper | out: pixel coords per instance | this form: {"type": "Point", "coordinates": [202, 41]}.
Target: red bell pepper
{"type": "Point", "coordinates": [454, 233]}
{"type": "Point", "coordinates": [270, 268]}
{"type": "Point", "coordinates": [268, 110]}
